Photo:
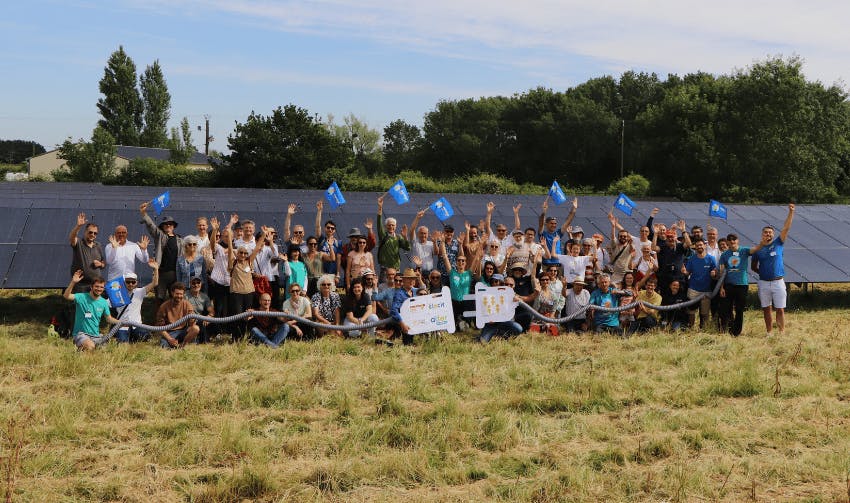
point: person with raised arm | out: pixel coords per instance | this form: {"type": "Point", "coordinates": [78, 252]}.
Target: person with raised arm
{"type": "Point", "coordinates": [330, 244]}
{"type": "Point", "coordinates": [133, 310]}
{"type": "Point", "coordinates": [121, 254]}
{"type": "Point", "coordinates": [169, 246]}
{"type": "Point", "coordinates": [296, 236]}
{"type": "Point", "coordinates": [89, 309]}
{"type": "Point", "coordinates": [390, 242]}
{"type": "Point", "coordinates": [547, 227]}
{"type": "Point", "coordinates": [420, 245]}
{"type": "Point", "coordinates": [768, 257]}
{"type": "Point", "coordinates": [88, 254]}
{"type": "Point", "coordinates": [219, 278]}
{"type": "Point", "coordinates": [241, 296]}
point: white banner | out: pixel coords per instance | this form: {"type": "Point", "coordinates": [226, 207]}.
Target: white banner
{"type": "Point", "coordinates": [429, 313]}
{"type": "Point", "coordinates": [493, 303]}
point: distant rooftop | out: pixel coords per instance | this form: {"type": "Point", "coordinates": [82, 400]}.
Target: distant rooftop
{"type": "Point", "coordinates": [160, 154]}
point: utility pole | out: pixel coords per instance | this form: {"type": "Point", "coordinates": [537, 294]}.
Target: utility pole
{"type": "Point", "coordinates": [622, 145]}
{"type": "Point", "coordinates": [207, 136]}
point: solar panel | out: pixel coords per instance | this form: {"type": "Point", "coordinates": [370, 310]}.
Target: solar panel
{"type": "Point", "coordinates": [818, 248]}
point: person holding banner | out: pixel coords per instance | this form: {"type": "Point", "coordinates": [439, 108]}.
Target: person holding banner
{"type": "Point", "coordinates": [400, 328]}
{"type": "Point", "coordinates": [88, 254]}
{"type": "Point", "coordinates": [460, 281]}
{"type": "Point", "coordinates": [390, 241]}
{"type": "Point", "coordinates": [89, 309]}
{"type": "Point", "coordinates": [504, 329]}
{"type": "Point", "coordinates": [169, 246]}
{"type": "Point", "coordinates": [133, 310]}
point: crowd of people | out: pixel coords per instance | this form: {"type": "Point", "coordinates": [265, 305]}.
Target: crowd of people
{"type": "Point", "coordinates": [233, 267]}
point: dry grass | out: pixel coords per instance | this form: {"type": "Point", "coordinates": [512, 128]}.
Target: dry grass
{"type": "Point", "coordinates": [656, 418]}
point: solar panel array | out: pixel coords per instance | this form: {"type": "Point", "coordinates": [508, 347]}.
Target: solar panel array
{"type": "Point", "coordinates": [37, 218]}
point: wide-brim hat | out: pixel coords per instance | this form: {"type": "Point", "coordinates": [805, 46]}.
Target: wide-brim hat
{"type": "Point", "coordinates": [367, 272]}
{"type": "Point", "coordinates": [167, 220]}
{"type": "Point", "coordinates": [355, 233]}
{"type": "Point", "coordinates": [579, 281]}
{"type": "Point", "coordinates": [409, 273]}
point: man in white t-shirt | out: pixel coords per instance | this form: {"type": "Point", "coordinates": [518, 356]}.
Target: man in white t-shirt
{"type": "Point", "coordinates": [574, 264]}
{"type": "Point", "coordinates": [133, 310]}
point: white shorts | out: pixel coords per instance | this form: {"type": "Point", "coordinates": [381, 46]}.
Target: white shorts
{"type": "Point", "coordinates": [772, 292]}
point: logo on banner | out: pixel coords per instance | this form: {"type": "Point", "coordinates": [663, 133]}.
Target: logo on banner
{"type": "Point", "coordinates": [429, 313]}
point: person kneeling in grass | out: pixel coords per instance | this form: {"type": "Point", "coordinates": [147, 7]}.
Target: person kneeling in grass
{"type": "Point", "coordinates": [172, 310]}
{"type": "Point", "coordinates": [647, 318]}
{"type": "Point", "coordinates": [90, 309]}
{"type": "Point", "coordinates": [608, 297]}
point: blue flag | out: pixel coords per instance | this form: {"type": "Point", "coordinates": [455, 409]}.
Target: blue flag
{"type": "Point", "coordinates": [624, 204]}
{"type": "Point", "coordinates": [161, 202]}
{"type": "Point", "coordinates": [399, 193]}
{"type": "Point", "coordinates": [716, 209]}
{"type": "Point", "coordinates": [334, 196]}
{"type": "Point", "coordinates": [557, 194]}
{"type": "Point", "coordinates": [442, 209]}
{"type": "Point", "coordinates": [117, 292]}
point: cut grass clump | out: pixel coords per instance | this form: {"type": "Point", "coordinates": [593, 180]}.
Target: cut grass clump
{"type": "Point", "coordinates": [251, 482]}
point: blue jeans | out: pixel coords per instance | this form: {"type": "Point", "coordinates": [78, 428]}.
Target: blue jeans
{"type": "Point", "coordinates": [503, 328]}
{"type": "Point", "coordinates": [131, 334]}
{"type": "Point", "coordinates": [277, 339]}
{"type": "Point", "coordinates": [356, 333]}
{"type": "Point", "coordinates": [179, 334]}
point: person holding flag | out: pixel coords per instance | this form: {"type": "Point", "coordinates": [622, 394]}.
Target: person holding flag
{"type": "Point", "coordinates": [547, 226]}
{"type": "Point", "coordinates": [169, 246]}
{"type": "Point", "coordinates": [390, 241]}
{"type": "Point", "coordinates": [133, 310]}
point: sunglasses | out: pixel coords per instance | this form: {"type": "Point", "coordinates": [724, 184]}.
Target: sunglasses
{"type": "Point", "coordinates": [298, 232]}
{"type": "Point", "coordinates": [191, 244]}
{"type": "Point", "coordinates": [312, 244]}
{"type": "Point", "coordinates": [130, 281]}
{"type": "Point", "coordinates": [93, 233]}
{"type": "Point", "coordinates": [330, 228]}
{"type": "Point", "coordinates": [295, 290]}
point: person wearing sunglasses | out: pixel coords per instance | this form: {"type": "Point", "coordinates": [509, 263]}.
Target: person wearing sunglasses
{"type": "Point", "coordinates": [192, 263]}
{"type": "Point", "coordinates": [242, 290]}
{"type": "Point", "coordinates": [169, 246]}
{"type": "Point", "coordinates": [313, 259]}
{"type": "Point", "coordinates": [133, 310]}
{"type": "Point", "coordinates": [88, 254]}
{"type": "Point", "coordinates": [329, 243]}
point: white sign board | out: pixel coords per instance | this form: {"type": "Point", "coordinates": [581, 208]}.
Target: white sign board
{"type": "Point", "coordinates": [493, 303]}
{"type": "Point", "coordinates": [429, 313]}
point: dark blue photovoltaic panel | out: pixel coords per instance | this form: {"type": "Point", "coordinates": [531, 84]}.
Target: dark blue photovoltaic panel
{"type": "Point", "coordinates": [818, 248]}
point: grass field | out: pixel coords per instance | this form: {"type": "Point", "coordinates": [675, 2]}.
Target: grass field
{"type": "Point", "coordinates": [662, 417]}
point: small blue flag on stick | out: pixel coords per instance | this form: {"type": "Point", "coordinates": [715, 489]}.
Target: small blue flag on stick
{"type": "Point", "coordinates": [334, 196]}
{"type": "Point", "coordinates": [624, 204]}
{"type": "Point", "coordinates": [117, 292]}
{"type": "Point", "coordinates": [442, 209]}
{"type": "Point", "coordinates": [557, 194]}
{"type": "Point", "coordinates": [161, 202]}
{"type": "Point", "coordinates": [716, 209]}
{"type": "Point", "coordinates": [399, 193]}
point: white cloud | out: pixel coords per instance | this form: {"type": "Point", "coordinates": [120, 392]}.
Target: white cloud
{"type": "Point", "coordinates": [667, 35]}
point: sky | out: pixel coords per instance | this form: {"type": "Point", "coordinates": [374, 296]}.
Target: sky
{"type": "Point", "coordinates": [378, 59]}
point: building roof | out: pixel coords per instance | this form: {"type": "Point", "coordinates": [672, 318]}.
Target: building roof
{"type": "Point", "coordinates": [160, 154]}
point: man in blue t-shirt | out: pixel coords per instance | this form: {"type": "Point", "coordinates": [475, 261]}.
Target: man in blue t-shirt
{"type": "Point", "coordinates": [768, 257]}
{"type": "Point", "coordinates": [605, 296]}
{"type": "Point", "coordinates": [547, 227]}
{"type": "Point", "coordinates": [700, 269]}
{"type": "Point", "coordinates": [733, 294]}
{"type": "Point", "coordinates": [90, 309]}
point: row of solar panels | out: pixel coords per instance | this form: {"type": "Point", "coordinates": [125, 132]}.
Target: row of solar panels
{"type": "Point", "coordinates": [37, 217]}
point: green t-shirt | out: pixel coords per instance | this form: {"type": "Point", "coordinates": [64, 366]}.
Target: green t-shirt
{"type": "Point", "coordinates": [390, 245]}
{"type": "Point", "coordinates": [88, 313]}
{"type": "Point", "coordinates": [459, 283]}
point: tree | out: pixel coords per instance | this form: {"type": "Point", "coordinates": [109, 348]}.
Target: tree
{"type": "Point", "coordinates": [402, 146]}
{"type": "Point", "coordinates": [364, 141]}
{"type": "Point", "coordinates": [286, 149]}
{"type": "Point", "coordinates": [120, 106]}
{"type": "Point", "coordinates": [180, 144]}
{"type": "Point", "coordinates": [92, 161]}
{"type": "Point", "coordinates": [156, 102]}
{"type": "Point", "coordinates": [17, 151]}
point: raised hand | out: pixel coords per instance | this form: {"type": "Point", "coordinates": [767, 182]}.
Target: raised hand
{"type": "Point", "coordinates": [682, 226]}
{"type": "Point", "coordinates": [612, 218]}
{"type": "Point", "coordinates": [545, 205]}
{"type": "Point", "coordinates": [234, 218]}
{"type": "Point", "coordinates": [436, 235]}
{"type": "Point", "coordinates": [491, 206]}
{"type": "Point", "coordinates": [143, 208]}
{"type": "Point", "coordinates": [144, 241]}
{"type": "Point", "coordinates": [420, 213]}
{"type": "Point", "coordinates": [290, 210]}
{"type": "Point", "coordinates": [466, 224]}
{"type": "Point", "coordinates": [214, 223]}
{"type": "Point", "coordinates": [78, 276]}
{"type": "Point", "coordinates": [113, 241]}
{"type": "Point", "coordinates": [654, 212]}
{"type": "Point", "coordinates": [517, 207]}
{"type": "Point", "coordinates": [81, 219]}
{"type": "Point", "coordinates": [152, 263]}
{"type": "Point", "coordinates": [575, 203]}
{"type": "Point", "coordinates": [368, 224]}
{"type": "Point", "coordinates": [404, 230]}
{"type": "Point", "coordinates": [416, 260]}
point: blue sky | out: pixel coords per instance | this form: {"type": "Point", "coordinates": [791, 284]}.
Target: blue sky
{"type": "Point", "coordinates": [380, 60]}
